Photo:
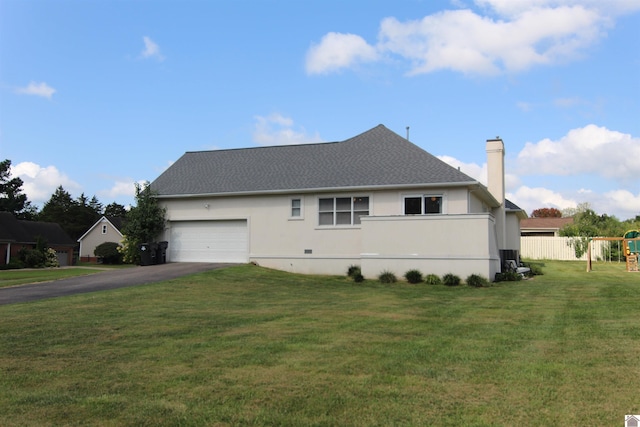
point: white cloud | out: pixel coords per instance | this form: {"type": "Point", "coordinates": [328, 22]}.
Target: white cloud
{"type": "Point", "coordinates": [120, 188]}
{"type": "Point", "coordinates": [336, 51]}
{"type": "Point", "coordinates": [512, 8]}
{"type": "Point", "coordinates": [529, 198]}
{"type": "Point", "coordinates": [588, 150]}
{"type": "Point", "coordinates": [41, 182]}
{"type": "Point", "coordinates": [37, 89]}
{"type": "Point", "coordinates": [624, 203]}
{"type": "Point", "coordinates": [478, 172]}
{"type": "Point", "coordinates": [277, 129]}
{"type": "Point", "coordinates": [518, 35]}
{"type": "Point", "coordinates": [151, 49]}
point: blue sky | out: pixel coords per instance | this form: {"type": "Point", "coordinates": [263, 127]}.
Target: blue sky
{"type": "Point", "coordinates": [97, 95]}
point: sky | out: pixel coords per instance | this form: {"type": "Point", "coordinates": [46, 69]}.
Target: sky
{"type": "Point", "coordinates": [98, 95]}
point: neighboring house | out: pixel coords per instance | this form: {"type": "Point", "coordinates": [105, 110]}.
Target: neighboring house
{"type": "Point", "coordinates": [543, 226]}
{"type": "Point", "coordinates": [375, 200]}
{"type": "Point", "coordinates": [106, 229]}
{"type": "Point", "coordinates": [16, 234]}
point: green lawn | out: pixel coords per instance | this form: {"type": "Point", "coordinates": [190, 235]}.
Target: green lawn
{"type": "Point", "coordinates": [24, 276]}
{"type": "Point", "coordinates": [250, 346]}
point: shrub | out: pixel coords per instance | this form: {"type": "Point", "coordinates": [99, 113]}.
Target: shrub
{"type": "Point", "coordinates": [13, 265]}
{"type": "Point", "coordinates": [477, 281]}
{"type": "Point", "coordinates": [32, 258]}
{"type": "Point", "coordinates": [536, 268]}
{"type": "Point", "coordinates": [413, 276]}
{"type": "Point", "coordinates": [109, 252]}
{"type": "Point", "coordinates": [51, 258]}
{"type": "Point", "coordinates": [353, 271]}
{"type": "Point", "coordinates": [387, 277]}
{"type": "Point", "coordinates": [450, 279]}
{"type": "Point", "coordinates": [358, 277]}
{"type": "Point", "coordinates": [433, 279]}
{"type": "Point", "coordinates": [508, 276]}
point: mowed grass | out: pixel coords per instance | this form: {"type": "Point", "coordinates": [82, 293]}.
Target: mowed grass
{"type": "Point", "coordinates": [24, 276]}
{"type": "Point", "coordinates": [251, 346]}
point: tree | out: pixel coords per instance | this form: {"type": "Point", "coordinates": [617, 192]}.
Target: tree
{"type": "Point", "coordinates": [144, 222]}
{"type": "Point", "coordinates": [115, 210]}
{"type": "Point", "coordinates": [588, 224]}
{"type": "Point", "coordinates": [74, 216]}
{"type": "Point", "coordinates": [11, 197]}
{"type": "Point", "coordinates": [546, 213]}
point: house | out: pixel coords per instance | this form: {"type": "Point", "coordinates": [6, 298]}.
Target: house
{"type": "Point", "coordinates": [16, 234]}
{"type": "Point", "coordinates": [375, 200]}
{"type": "Point", "coordinates": [106, 229]}
{"type": "Point", "coordinates": [543, 226]}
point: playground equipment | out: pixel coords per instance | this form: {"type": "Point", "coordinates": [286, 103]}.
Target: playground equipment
{"type": "Point", "coordinates": [632, 249]}
{"type": "Point", "coordinates": [631, 243]}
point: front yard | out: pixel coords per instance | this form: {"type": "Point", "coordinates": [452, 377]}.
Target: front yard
{"type": "Point", "coordinates": [250, 346]}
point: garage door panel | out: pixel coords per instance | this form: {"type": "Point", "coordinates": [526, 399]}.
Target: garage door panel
{"type": "Point", "coordinates": [209, 241]}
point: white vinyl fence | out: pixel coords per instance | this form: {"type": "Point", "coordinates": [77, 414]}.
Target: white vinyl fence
{"type": "Point", "coordinates": [558, 248]}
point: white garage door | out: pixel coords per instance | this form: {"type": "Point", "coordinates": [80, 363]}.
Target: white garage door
{"type": "Point", "coordinates": [209, 241]}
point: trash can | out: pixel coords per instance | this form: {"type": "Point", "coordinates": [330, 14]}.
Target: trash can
{"type": "Point", "coordinates": [146, 257]}
{"type": "Point", "coordinates": [153, 248]}
{"type": "Point", "coordinates": [161, 252]}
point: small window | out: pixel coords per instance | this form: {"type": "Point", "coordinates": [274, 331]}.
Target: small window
{"type": "Point", "coordinates": [413, 205]}
{"type": "Point", "coordinates": [433, 204]}
{"type": "Point", "coordinates": [421, 205]}
{"type": "Point", "coordinates": [104, 229]}
{"type": "Point", "coordinates": [296, 208]}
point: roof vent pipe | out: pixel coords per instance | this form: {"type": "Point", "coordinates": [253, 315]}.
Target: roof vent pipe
{"type": "Point", "coordinates": [407, 133]}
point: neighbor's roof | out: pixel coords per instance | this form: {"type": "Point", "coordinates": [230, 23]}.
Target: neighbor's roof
{"type": "Point", "coordinates": [376, 158]}
{"type": "Point", "coordinates": [545, 223]}
{"type": "Point", "coordinates": [116, 223]}
{"type": "Point", "coordinates": [21, 231]}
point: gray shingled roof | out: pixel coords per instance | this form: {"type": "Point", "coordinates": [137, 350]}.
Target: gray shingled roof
{"type": "Point", "coordinates": [378, 157]}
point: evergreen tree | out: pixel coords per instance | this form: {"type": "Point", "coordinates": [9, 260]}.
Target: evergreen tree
{"type": "Point", "coordinates": [115, 210]}
{"type": "Point", "coordinates": [74, 216]}
{"type": "Point", "coordinates": [12, 199]}
{"type": "Point", "coordinates": [144, 222]}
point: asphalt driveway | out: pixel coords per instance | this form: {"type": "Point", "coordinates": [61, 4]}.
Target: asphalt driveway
{"type": "Point", "coordinates": [105, 280]}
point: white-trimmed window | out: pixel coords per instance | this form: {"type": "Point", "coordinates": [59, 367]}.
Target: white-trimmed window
{"type": "Point", "coordinates": [104, 228]}
{"type": "Point", "coordinates": [296, 208]}
{"type": "Point", "coordinates": [428, 204]}
{"type": "Point", "coordinates": [334, 211]}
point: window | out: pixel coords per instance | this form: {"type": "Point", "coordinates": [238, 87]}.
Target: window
{"type": "Point", "coordinates": [296, 208]}
{"type": "Point", "coordinates": [104, 229]}
{"type": "Point", "coordinates": [420, 205]}
{"type": "Point", "coordinates": [342, 210]}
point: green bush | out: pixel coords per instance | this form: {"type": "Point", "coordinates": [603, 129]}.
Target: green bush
{"type": "Point", "coordinates": [387, 277]}
{"type": "Point", "coordinates": [450, 279]}
{"type": "Point", "coordinates": [508, 276]}
{"type": "Point", "coordinates": [109, 252]}
{"type": "Point", "coordinates": [477, 281]}
{"type": "Point", "coordinates": [433, 279]}
{"type": "Point", "coordinates": [13, 265]}
{"type": "Point", "coordinates": [413, 276]}
{"type": "Point", "coordinates": [536, 268]}
{"type": "Point", "coordinates": [51, 258]}
{"type": "Point", "coordinates": [32, 258]}
{"type": "Point", "coordinates": [358, 277]}
{"type": "Point", "coordinates": [353, 271]}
